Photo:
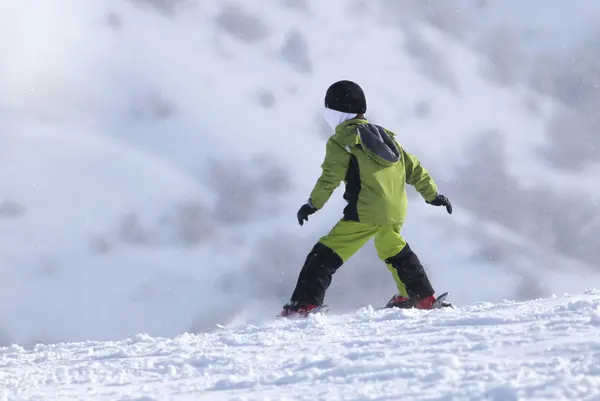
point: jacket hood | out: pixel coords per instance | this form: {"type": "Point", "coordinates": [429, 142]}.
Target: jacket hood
{"type": "Point", "coordinates": [374, 140]}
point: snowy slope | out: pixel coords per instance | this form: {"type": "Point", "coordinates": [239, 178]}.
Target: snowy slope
{"type": "Point", "coordinates": [137, 160]}
{"type": "Point", "coordinates": [535, 350]}
{"type": "Point", "coordinates": [74, 223]}
{"type": "Point", "coordinates": [557, 27]}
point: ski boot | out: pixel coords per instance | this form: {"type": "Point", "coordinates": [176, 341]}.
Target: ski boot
{"type": "Point", "coordinates": [295, 309]}
{"type": "Point", "coordinates": [398, 301]}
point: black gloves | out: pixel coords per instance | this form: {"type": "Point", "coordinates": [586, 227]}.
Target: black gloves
{"type": "Point", "coordinates": [441, 200]}
{"type": "Point", "coordinates": [306, 210]}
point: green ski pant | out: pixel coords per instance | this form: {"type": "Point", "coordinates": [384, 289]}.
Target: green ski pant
{"type": "Point", "coordinates": [347, 237]}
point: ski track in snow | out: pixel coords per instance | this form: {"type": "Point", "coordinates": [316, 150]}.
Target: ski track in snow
{"type": "Point", "coordinates": [535, 350]}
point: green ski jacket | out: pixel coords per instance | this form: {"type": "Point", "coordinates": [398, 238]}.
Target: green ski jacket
{"type": "Point", "coordinates": [375, 170]}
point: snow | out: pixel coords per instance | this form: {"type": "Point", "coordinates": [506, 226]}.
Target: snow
{"type": "Point", "coordinates": [108, 138]}
{"type": "Point", "coordinates": [534, 350]}
{"type": "Point", "coordinates": [135, 263]}
{"type": "Point", "coordinates": [539, 21]}
{"type": "Point", "coordinates": [71, 269]}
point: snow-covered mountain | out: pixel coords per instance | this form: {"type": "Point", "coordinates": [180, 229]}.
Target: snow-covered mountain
{"type": "Point", "coordinates": [543, 349]}
{"type": "Point", "coordinates": [540, 25]}
{"type": "Point", "coordinates": [153, 155]}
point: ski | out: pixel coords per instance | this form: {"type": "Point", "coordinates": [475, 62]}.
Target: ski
{"type": "Point", "coordinates": [319, 309]}
{"type": "Point", "coordinates": [438, 304]}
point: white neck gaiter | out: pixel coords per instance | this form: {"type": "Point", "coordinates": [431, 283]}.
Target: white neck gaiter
{"type": "Point", "coordinates": [335, 118]}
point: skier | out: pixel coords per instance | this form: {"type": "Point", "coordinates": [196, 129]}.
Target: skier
{"type": "Point", "coordinates": [375, 169]}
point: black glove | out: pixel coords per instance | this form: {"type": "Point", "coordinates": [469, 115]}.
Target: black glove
{"type": "Point", "coordinates": [306, 210]}
{"type": "Point", "coordinates": [441, 200]}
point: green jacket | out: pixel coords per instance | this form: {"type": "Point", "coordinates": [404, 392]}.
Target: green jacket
{"type": "Point", "coordinates": [375, 169]}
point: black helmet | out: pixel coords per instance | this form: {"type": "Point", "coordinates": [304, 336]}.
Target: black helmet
{"type": "Point", "coordinates": [347, 97]}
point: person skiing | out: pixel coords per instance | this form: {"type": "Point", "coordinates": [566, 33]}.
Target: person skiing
{"type": "Point", "coordinates": [375, 169]}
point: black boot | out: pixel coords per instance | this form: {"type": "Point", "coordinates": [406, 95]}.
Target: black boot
{"type": "Point", "coordinates": [412, 274]}
{"type": "Point", "coordinates": [315, 276]}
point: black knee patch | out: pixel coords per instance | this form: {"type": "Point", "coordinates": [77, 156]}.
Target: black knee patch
{"type": "Point", "coordinates": [411, 273]}
{"type": "Point", "coordinates": [404, 254]}
{"type": "Point", "coordinates": [315, 276]}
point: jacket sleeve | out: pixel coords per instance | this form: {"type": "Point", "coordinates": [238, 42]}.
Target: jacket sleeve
{"type": "Point", "coordinates": [417, 176]}
{"type": "Point", "coordinates": [334, 169]}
